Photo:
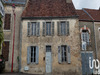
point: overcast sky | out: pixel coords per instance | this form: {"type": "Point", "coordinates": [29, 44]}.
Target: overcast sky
{"type": "Point", "coordinates": [93, 4]}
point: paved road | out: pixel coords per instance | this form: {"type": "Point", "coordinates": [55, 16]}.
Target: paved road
{"type": "Point", "coordinates": [16, 74]}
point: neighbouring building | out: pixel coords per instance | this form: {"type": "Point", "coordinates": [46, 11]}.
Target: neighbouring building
{"type": "Point", "coordinates": [8, 29]}
{"type": "Point", "coordinates": [50, 41]}
{"type": "Point", "coordinates": [89, 25]}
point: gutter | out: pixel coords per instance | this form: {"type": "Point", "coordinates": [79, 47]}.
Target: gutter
{"type": "Point", "coordinates": [94, 31]}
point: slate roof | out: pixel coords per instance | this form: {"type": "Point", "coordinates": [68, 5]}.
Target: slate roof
{"type": "Point", "coordinates": [93, 12]}
{"type": "Point", "coordinates": [49, 8]}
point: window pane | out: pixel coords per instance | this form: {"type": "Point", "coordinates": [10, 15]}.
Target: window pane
{"type": "Point", "coordinates": [34, 28]}
{"type": "Point", "coordinates": [63, 28]}
{"type": "Point", "coordinates": [48, 48]}
{"type": "Point", "coordinates": [48, 28]}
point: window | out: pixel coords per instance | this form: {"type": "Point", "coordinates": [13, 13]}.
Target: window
{"type": "Point", "coordinates": [85, 37]}
{"type": "Point", "coordinates": [99, 32]}
{"type": "Point", "coordinates": [32, 54]}
{"type": "Point", "coordinates": [48, 48]}
{"type": "Point", "coordinates": [7, 22]}
{"type": "Point", "coordinates": [63, 54]}
{"type": "Point", "coordinates": [48, 28]}
{"type": "Point", "coordinates": [33, 29]}
{"type": "Point", "coordinates": [63, 28]}
{"type": "Point", "coordinates": [5, 50]}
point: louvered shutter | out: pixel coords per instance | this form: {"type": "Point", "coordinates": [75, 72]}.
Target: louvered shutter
{"type": "Point", "coordinates": [29, 29]}
{"type": "Point", "coordinates": [37, 54]}
{"type": "Point", "coordinates": [88, 38]}
{"type": "Point", "coordinates": [58, 28]}
{"type": "Point", "coordinates": [52, 28]}
{"type": "Point", "coordinates": [44, 28]}
{"type": "Point", "coordinates": [59, 54]}
{"type": "Point", "coordinates": [28, 55]}
{"type": "Point", "coordinates": [38, 29]}
{"type": "Point", "coordinates": [68, 55]}
{"type": "Point", "coordinates": [68, 28]}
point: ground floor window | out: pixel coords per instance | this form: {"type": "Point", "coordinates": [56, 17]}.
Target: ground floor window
{"type": "Point", "coordinates": [5, 50]}
{"type": "Point", "coordinates": [32, 54]}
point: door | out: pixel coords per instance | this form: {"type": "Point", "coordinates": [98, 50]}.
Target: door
{"type": "Point", "coordinates": [48, 59]}
{"type": "Point", "coordinates": [85, 63]}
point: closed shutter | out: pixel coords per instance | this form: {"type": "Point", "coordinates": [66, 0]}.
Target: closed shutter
{"type": "Point", "coordinates": [83, 45]}
{"type": "Point", "coordinates": [29, 29]}
{"type": "Point", "coordinates": [28, 55]}
{"type": "Point", "coordinates": [87, 38]}
{"type": "Point", "coordinates": [68, 28]}
{"type": "Point", "coordinates": [58, 28]}
{"type": "Point", "coordinates": [44, 28]}
{"type": "Point", "coordinates": [59, 54]}
{"type": "Point", "coordinates": [5, 50]}
{"type": "Point", "coordinates": [68, 55]}
{"type": "Point", "coordinates": [52, 28]}
{"type": "Point", "coordinates": [38, 29]}
{"type": "Point", "coordinates": [7, 21]}
{"type": "Point", "coordinates": [37, 54]}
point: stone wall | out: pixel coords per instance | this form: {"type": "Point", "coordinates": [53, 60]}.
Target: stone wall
{"type": "Point", "coordinates": [73, 40]}
{"type": "Point", "coordinates": [8, 36]}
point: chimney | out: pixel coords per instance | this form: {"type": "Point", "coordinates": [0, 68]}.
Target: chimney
{"type": "Point", "coordinates": [68, 1]}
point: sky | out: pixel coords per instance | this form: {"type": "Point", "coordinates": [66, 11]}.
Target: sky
{"type": "Point", "coordinates": [92, 4]}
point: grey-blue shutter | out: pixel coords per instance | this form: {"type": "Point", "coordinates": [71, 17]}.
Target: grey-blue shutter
{"type": "Point", "coordinates": [44, 28]}
{"type": "Point", "coordinates": [38, 29]}
{"type": "Point", "coordinates": [52, 28]}
{"type": "Point", "coordinates": [68, 55]}
{"type": "Point", "coordinates": [37, 54]}
{"type": "Point", "coordinates": [58, 28]}
{"type": "Point", "coordinates": [28, 55]}
{"type": "Point", "coordinates": [59, 54]}
{"type": "Point", "coordinates": [68, 28]}
{"type": "Point", "coordinates": [28, 28]}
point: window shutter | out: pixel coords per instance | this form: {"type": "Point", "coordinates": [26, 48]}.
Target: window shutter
{"type": "Point", "coordinates": [83, 45]}
{"type": "Point", "coordinates": [87, 38]}
{"type": "Point", "coordinates": [37, 54]}
{"type": "Point", "coordinates": [68, 55]}
{"type": "Point", "coordinates": [7, 21]}
{"type": "Point", "coordinates": [58, 28]}
{"type": "Point", "coordinates": [52, 28]}
{"type": "Point", "coordinates": [82, 36]}
{"type": "Point", "coordinates": [44, 30]}
{"type": "Point", "coordinates": [29, 29]}
{"type": "Point", "coordinates": [28, 55]}
{"type": "Point", "coordinates": [59, 54]}
{"type": "Point", "coordinates": [68, 28]}
{"type": "Point", "coordinates": [38, 29]}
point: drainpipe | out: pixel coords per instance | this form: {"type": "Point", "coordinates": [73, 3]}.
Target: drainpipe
{"type": "Point", "coordinates": [94, 32]}
{"type": "Point", "coordinates": [13, 6]}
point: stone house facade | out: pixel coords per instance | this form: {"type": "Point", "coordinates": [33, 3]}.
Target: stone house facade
{"type": "Point", "coordinates": [50, 41]}
{"type": "Point", "coordinates": [8, 30]}
{"type": "Point", "coordinates": [89, 24]}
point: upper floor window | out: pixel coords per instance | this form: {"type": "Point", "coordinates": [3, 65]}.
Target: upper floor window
{"type": "Point", "coordinates": [63, 28]}
{"type": "Point", "coordinates": [33, 29]}
{"type": "Point", "coordinates": [7, 21]}
{"type": "Point", "coordinates": [32, 54]}
{"type": "Point", "coordinates": [99, 32]}
{"type": "Point", "coordinates": [63, 54]}
{"type": "Point", "coordinates": [85, 37]}
{"type": "Point", "coordinates": [48, 28]}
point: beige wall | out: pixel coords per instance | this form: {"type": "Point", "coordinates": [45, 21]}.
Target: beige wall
{"type": "Point", "coordinates": [97, 34]}
{"type": "Point", "coordinates": [8, 36]}
{"type": "Point", "coordinates": [73, 40]}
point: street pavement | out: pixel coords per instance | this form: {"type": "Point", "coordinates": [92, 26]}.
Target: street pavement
{"type": "Point", "coordinates": [16, 74]}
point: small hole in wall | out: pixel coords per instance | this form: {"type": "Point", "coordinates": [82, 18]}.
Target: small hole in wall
{"type": "Point", "coordinates": [43, 58]}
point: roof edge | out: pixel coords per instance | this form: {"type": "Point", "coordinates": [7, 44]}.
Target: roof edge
{"type": "Point", "coordinates": [49, 17]}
